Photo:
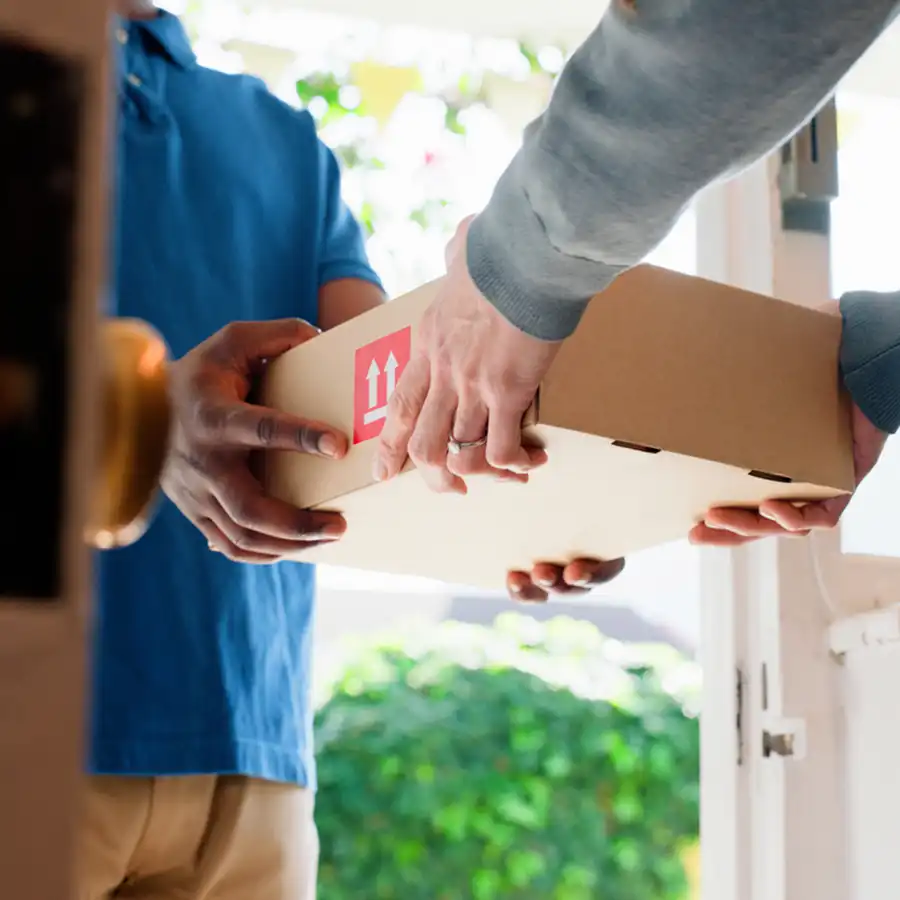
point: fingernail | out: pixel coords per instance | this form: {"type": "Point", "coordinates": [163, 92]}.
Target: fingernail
{"type": "Point", "coordinates": [584, 581]}
{"type": "Point", "coordinates": [334, 530]}
{"type": "Point", "coordinates": [545, 582]}
{"type": "Point", "coordinates": [516, 588]}
{"type": "Point", "coordinates": [379, 470]}
{"type": "Point", "coordinates": [213, 547]}
{"type": "Point", "coordinates": [329, 445]}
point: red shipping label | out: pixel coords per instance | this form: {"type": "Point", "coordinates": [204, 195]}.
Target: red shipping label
{"type": "Point", "coordinates": [377, 369]}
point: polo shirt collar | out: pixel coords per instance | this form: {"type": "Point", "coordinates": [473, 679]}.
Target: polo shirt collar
{"type": "Point", "coordinates": [167, 32]}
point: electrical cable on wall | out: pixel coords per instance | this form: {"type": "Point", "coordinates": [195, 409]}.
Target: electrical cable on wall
{"type": "Point", "coordinates": [825, 594]}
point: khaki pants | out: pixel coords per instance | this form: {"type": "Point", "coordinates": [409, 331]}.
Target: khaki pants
{"type": "Point", "coordinates": [196, 838]}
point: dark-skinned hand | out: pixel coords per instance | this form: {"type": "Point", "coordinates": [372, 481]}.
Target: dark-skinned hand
{"type": "Point", "coordinates": [208, 474]}
{"type": "Point", "coordinates": [546, 579]}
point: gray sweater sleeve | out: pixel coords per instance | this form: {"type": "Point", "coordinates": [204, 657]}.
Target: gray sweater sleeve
{"type": "Point", "coordinates": [870, 355]}
{"type": "Point", "coordinates": [663, 98]}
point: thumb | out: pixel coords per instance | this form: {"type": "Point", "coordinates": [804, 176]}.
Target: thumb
{"type": "Point", "coordinates": [246, 342]}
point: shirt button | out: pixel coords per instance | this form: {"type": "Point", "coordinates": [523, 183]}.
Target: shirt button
{"type": "Point", "coordinates": [135, 80]}
{"type": "Point", "coordinates": [121, 35]}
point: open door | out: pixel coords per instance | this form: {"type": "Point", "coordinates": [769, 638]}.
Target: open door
{"type": "Point", "coordinates": [53, 117]}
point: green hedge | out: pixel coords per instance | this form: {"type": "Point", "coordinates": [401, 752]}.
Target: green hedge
{"type": "Point", "coordinates": [523, 762]}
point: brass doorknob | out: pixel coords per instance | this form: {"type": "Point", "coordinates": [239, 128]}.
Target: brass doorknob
{"type": "Point", "coordinates": [135, 432]}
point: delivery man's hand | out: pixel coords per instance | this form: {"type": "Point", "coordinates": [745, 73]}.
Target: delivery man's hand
{"type": "Point", "coordinates": [207, 474]}
{"type": "Point", "coordinates": [473, 378]}
{"type": "Point", "coordinates": [774, 518]}
{"type": "Point", "coordinates": [579, 576]}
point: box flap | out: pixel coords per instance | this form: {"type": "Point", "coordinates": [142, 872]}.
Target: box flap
{"type": "Point", "coordinates": [685, 365]}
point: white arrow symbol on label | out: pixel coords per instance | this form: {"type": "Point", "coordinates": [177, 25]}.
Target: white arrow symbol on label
{"type": "Point", "coordinates": [372, 377]}
{"type": "Point", "coordinates": [390, 368]}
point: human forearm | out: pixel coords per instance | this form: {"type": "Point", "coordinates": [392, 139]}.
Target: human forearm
{"type": "Point", "coordinates": [345, 299]}
{"type": "Point", "coordinates": [662, 99]}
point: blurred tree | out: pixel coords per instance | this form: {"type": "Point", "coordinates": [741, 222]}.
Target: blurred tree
{"type": "Point", "coordinates": [534, 762]}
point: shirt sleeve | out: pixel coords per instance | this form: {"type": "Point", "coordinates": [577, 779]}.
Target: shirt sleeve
{"type": "Point", "coordinates": [870, 355]}
{"type": "Point", "coordinates": [343, 249]}
{"type": "Point", "coordinates": [663, 98]}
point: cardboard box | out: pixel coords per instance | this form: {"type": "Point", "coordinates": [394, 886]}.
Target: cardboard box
{"type": "Point", "coordinates": [674, 395]}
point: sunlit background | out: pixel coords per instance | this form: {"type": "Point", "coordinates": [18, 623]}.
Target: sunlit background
{"type": "Point", "coordinates": [865, 257]}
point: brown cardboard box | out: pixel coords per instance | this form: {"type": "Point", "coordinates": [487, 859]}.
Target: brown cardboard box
{"type": "Point", "coordinates": [675, 394]}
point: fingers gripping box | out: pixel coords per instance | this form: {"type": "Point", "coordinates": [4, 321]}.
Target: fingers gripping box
{"type": "Point", "coordinates": [675, 394]}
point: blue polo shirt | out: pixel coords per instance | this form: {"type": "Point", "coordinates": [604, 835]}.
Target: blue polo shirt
{"type": "Point", "coordinates": [227, 208]}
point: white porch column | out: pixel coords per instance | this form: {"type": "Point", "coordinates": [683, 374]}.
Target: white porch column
{"type": "Point", "coordinates": [772, 825]}
{"type": "Point", "coordinates": [815, 636]}
{"type": "Point", "coordinates": [871, 693]}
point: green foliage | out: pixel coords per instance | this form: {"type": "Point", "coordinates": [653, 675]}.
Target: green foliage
{"type": "Point", "coordinates": [428, 212]}
{"type": "Point", "coordinates": [335, 99]}
{"type": "Point", "coordinates": [329, 90]}
{"type": "Point", "coordinates": [531, 56]}
{"type": "Point", "coordinates": [526, 762]}
{"type": "Point", "coordinates": [327, 86]}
